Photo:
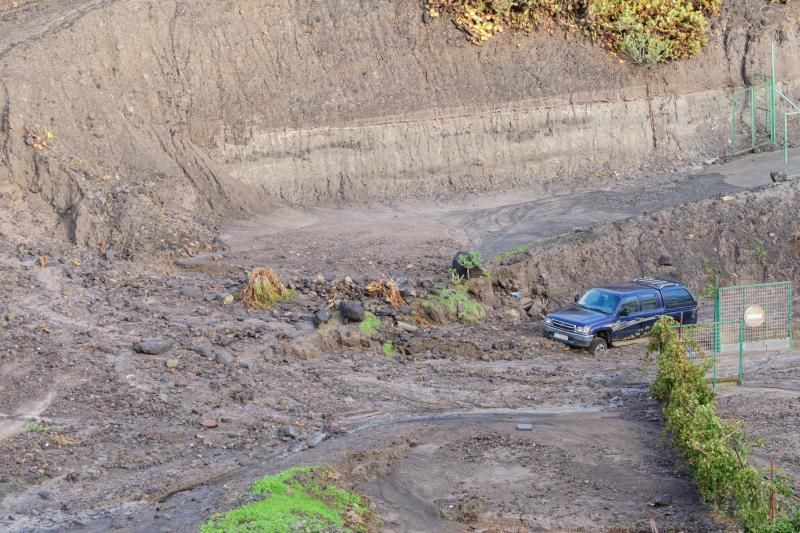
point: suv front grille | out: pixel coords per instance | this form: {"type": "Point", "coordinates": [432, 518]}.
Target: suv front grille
{"type": "Point", "coordinates": [563, 325]}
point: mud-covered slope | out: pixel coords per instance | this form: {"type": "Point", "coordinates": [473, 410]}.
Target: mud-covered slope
{"type": "Point", "coordinates": [749, 237]}
{"type": "Point", "coordinates": [160, 115]}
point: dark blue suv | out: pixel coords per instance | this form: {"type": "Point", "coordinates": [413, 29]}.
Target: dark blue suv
{"type": "Point", "coordinates": [620, 312]}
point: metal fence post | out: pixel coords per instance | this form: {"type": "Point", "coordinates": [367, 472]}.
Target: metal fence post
{"type": "Point", "coordinates": [773, 132]}
{"type": "Point", "coordinates": [741, 352]}
{"type": "Point", "coordinates": [753, 142]}
{"type": "Point", "coordinates": [734, 100]}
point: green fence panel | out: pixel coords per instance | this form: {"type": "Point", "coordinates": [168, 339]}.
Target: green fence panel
{"type": "Point", "coordinates": [718, 342]}
{"type": "Point", "coordinates": [765, 308]}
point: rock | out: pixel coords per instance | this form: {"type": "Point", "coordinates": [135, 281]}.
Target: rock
{"type": "Point", "coordinates": [109, 255]}
{"type": "Point", "coordinates": [352, 311]}
{"type": "Point", "coordinates": [322, 316]}
{"type": "Point", "coordinates": [288, 432]}
{"type": "Point", "coordinates": [665, 260]}
{"type": "Point", "coordinates": [513, 314]}
{"type": "Point", "coordinates": [191, 292]}
{"type": "Point", "coordinates": [172, 363]}
{"type": "Point", "coordinates": [153, 346]}
{"type": "Point", "coordinates": [709, 162]}
{"type": "Point", "coordinates": [316, 439]}
{"type": "Point", "coordinates": [223, 358]}
{"type": "Point", "coordinates": [43, 494]}
{"type": "Point", "coordinates": [664, 500]}
{"type": "Point", "coordinates": [778, 177]}
{"type": "Point", "coordinates": [226, 298]}
{"type": "Point", "coordinates": [209, 423]}
{"type": "Point", "coordinates": [407, 289]}
{"type": "Point", "coordinates": [526, 303]}
{"type": "Point", "coordinates": [206, 350]}
{"type": "Point", "coordinates": [225, 340]}
{"type": "Point", "coordinates": [348, 280]}
{"type": "Point", "coordinates": [411, 328]}
{"type": "Point", "coordinates": [405, 310]}
{"type": "Point", "coordinates": [298, 447]}
{"type": "Point", "coordinates": [727, 199]}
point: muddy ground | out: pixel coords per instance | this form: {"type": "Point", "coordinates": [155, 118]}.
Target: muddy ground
{"type": "Point", "coordinates": [95, 435]}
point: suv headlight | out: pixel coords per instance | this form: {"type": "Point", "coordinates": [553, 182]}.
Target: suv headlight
{"type": "Point", "coordinates": [548, 321]}
{"type": "Point", "coordinates": [583, 330]}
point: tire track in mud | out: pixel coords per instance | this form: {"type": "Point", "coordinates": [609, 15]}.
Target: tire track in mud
{"type": "Point", "coordinates": [189, 502]}
{"type": "Point", "coordinates": [38, 20]}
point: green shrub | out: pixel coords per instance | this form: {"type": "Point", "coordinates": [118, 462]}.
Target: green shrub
{"type": "Point", "coordinates": [453, 304]}
{"type": "Point", "coordinates": [644, 48]}
{"type": "Point", "coordinates": [716, 451]}
{"type": "Point", "coordinates": [470, 261]}
{"type": "Point", "coordinates": [648, 31]}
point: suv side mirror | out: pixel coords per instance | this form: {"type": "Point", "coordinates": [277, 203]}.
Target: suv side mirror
{"type": "Point", "coordinates": [623, 312]}
{"type": "Point", "coordinates": [577, 298]}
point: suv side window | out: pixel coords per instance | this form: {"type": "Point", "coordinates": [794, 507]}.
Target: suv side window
{"type": "Point", "coordinates": [630, 304]}
{"type": "Point", "coordinates": [649, 301]}
{"type": "Point", "coordinates": [677, 298]}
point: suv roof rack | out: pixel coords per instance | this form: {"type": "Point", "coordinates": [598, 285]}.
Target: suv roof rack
{"type": "Point", "coordinates": [657, 283]}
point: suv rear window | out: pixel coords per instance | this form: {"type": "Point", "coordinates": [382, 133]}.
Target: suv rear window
{"type": "Point", "coordinates": [649, 301]}
{"type": "Point", "coordinates": [677, 298]}
{"type": "Point", "coordinates": [630, 305]}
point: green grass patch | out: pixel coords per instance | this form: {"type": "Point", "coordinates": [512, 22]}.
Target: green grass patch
{"type": "Point", "coordinates": [388, 348]}
{"type": "Point", "coordinates": [511, 253]}
{"type": "Point", "coordinates": [369, 326]}
{"type": "Point", "coordinates": [33, 427]}
{"type": "Point", "coordinates": [298, 499]}
{"type": "Point", "coordinates": [454, 304]}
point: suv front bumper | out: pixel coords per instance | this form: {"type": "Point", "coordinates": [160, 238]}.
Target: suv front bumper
{"type": "Point", "coordinates": [568, 337]}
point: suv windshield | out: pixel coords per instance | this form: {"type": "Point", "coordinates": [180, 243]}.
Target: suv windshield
{"type": "Point", "coordinates": [600, 300]}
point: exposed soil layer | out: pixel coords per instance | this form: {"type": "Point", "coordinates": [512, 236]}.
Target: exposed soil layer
{"type": "Point", "coordinates": [748, 237]}
{"type": "Point", "coordinates": [134, 124]}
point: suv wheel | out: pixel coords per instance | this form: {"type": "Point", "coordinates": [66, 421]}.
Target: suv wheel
{"type": "Point", "coordinates": [598, 346]}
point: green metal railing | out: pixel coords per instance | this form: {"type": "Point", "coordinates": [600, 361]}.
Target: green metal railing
{"type": "Point", "coordinates": [721, 343]}
{"type": "Point", "coordinates": [747, 319]}
{"type": "Point", "coordinates": [755, 114]}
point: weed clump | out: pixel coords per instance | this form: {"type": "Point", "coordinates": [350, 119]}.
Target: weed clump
{"type": "Point", "coordinates": [369, 326]}
{"type": "Point", "coordinates": [298, 499]}
{"type": "Point", "coordinates": [452, 304]}
{"type": "Point", "coordinates": [648, 31]}
{"type": "Point", "coordinates": [388, 289]}
{"type": "Point", "coordinates": [263, 289]}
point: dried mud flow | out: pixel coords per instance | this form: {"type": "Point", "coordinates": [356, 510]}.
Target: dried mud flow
{"type": "Point", "coordinates": [153, 153]}
{"type": "Point", "coordinates": [97, 436]}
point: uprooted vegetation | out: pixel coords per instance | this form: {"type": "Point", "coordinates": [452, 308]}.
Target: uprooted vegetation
{"type": "Point", "coordinates": [647, 31]}
{"type": "Point", "coordinates": [263, 289]}
{"type": "Point", "coordinates": [298, 499]}
{"type": "Point", "coordinates": [717, 451]}
{"type": "Point", "coordinates": [388, 289]}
